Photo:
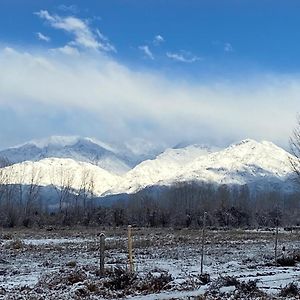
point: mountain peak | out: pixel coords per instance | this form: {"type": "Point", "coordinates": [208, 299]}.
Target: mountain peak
{"type": "Point", "coordinates": [244, 142]}
{"type": "Point", "coordinates": [264, 146]}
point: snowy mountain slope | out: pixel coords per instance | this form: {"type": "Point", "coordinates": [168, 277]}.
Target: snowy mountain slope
{"type": "Point", "coordinates": [57, 171]}
{"type": "Point", "coordinates": [51, 171]}
{"type": "Point", "coordinates": [247, 162]}
{"type": "Point", "coordinates": [77, 148]}
{"type": "Point", "coordinates": [261, 165]}
{"type": "Point", "coordinates": [242, 163]}
{"type": "Point", "coordinates": [61, 172]}
{"type": "Point", "coordinates": [160, 169]}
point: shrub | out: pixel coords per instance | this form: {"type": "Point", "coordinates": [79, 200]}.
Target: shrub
{"type": "Point", "coordinates": [15, 244]}
{"type": "Point", "coordinates": [120, 279]}
{"type": "Point", "coordinates": [156, 282]}
{"type": "Point", "coordinates": [290, 290]}
{"type": "Point", "coordinates": [286, 261]}
{"type": "Point", "coordinates": [205, 278]}
{"type": "Point", "coordinates": [248, 287]}
{"type": "Point", "coordinates": [76, 277]}
{"type": "Point", "coordinates": [229, 281]}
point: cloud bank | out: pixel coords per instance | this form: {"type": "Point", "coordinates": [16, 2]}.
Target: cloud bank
{"type": "Point", "coordinates": [58, 92]}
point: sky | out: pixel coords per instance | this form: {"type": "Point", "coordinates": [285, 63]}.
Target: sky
{"type": "Point", "coordinates": [167, 71]}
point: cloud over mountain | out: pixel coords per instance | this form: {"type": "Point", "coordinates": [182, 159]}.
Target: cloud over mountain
{"type": "Point", "coordinates": [71, 91]}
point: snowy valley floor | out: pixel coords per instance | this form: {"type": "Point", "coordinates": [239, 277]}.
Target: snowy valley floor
{"type": "Point", "coordinates": [63, 264]}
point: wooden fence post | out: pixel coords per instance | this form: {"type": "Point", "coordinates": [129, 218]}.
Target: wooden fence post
{"type": "Point", "coordinates": [102, 253]}
{"type": "Point", "coordinates": [276, 241]}
{"type": "Point", "coordinates": [130, 258]}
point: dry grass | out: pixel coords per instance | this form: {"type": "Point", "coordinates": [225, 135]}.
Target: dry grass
{"type": "Point", "coordinates": [76, 264]}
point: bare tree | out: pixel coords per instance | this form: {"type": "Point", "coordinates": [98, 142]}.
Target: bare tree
{"type": "Point", "coordinates": [88, 192]}
{"type": "Point", "coordinates": [8, 207]}
{"type": "Point", "coordinates": [62, 180]}
{"type": "Point", "coordinates": [32, 195]}
{"type": "Point", "coordinates": [86, 182]}
{"type": "Point", "coordinates": [295, 148]}
{"type": "Point", "coordinates": [84, 192]}
{"type": "Point", "coordinates": [20, 179]}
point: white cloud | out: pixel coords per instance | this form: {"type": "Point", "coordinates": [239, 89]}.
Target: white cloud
{"type": "Point", "coordinates": [183, 56]}
{"type": "Point", "coordinates": [83, 35]}
{"type": "Point", "coordinates": [69, 8]}
{"type": "Point", "coordinates": [43, 37]}
{"type": "Point", "coordinates": [228, 47]}
{"type": "Point", "coordinates": [101, 97]}
{"type": "Point", "coordinates": [43, 14]}
{"type": "Point", "coordinates": [158, 39]}
{"type": "Point", "coordinates": [68, 50]}
{"type": "Point", "coordinates": [146, 50]}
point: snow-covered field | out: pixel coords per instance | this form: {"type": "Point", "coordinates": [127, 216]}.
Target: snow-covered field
{"type": "Point", "coordinates": [63, 264]}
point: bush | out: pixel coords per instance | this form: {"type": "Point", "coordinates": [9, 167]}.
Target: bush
{"type": "Point", "coordinates": [286, 261]}
{"type": "Point", "coordinates": [6, 236]}
{"type": "Point", "coordinates": [244, 290]}
{"type": "Point", "coordinates": [155, 282]}
{"type": "Point", "coordinates": [248, 287]}
{"type": "Point", "coordinates": [296, 255]}
{"type": "Point", "coordinates": [63, 277]}
{"type": "Point", "coordinates": [76, 277]}
{"type": "Point", "coordinates": [290, 290]}
{"type": "Point", "coordinates": [205, 278]}
{"type": "Point", "coordinates": [15, 244]}
{"type": "Point", "coordinates": [229, 281]}
{"type": "Point", "coordinates": [249, 290]}
{"type": "Point", "coordinates": [120, 280]}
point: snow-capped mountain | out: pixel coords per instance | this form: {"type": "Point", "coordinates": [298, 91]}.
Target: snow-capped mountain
{"type": "Point", "coordinates": [248, 162]}
{"type": "Point", "coordinates": [260, 165]}
{"type": "Point", "coordinates": [61, 172]}
{"type": "Point", "coordinates": [161, 169]}
{"type": "Point", "coordinates": [77, 148]}
{"type": "Point", "coordinates": [116, 158]}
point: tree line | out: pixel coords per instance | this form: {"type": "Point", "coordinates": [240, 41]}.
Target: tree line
{"type": "Point", "coordinates": [24, 201]}
{"type": "Point", "coordinates": [178, 206]}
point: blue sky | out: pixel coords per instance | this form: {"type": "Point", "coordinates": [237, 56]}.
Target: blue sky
{"type": "Point", "coordinates": [189, 70]}
{"type": "Point", "coordinates": [257, 34]}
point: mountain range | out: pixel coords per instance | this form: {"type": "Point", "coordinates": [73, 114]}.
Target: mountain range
{"type": "Point", "coordinates": [58, 161]}
{"type": "Point", "coordinates": [115, 159]}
